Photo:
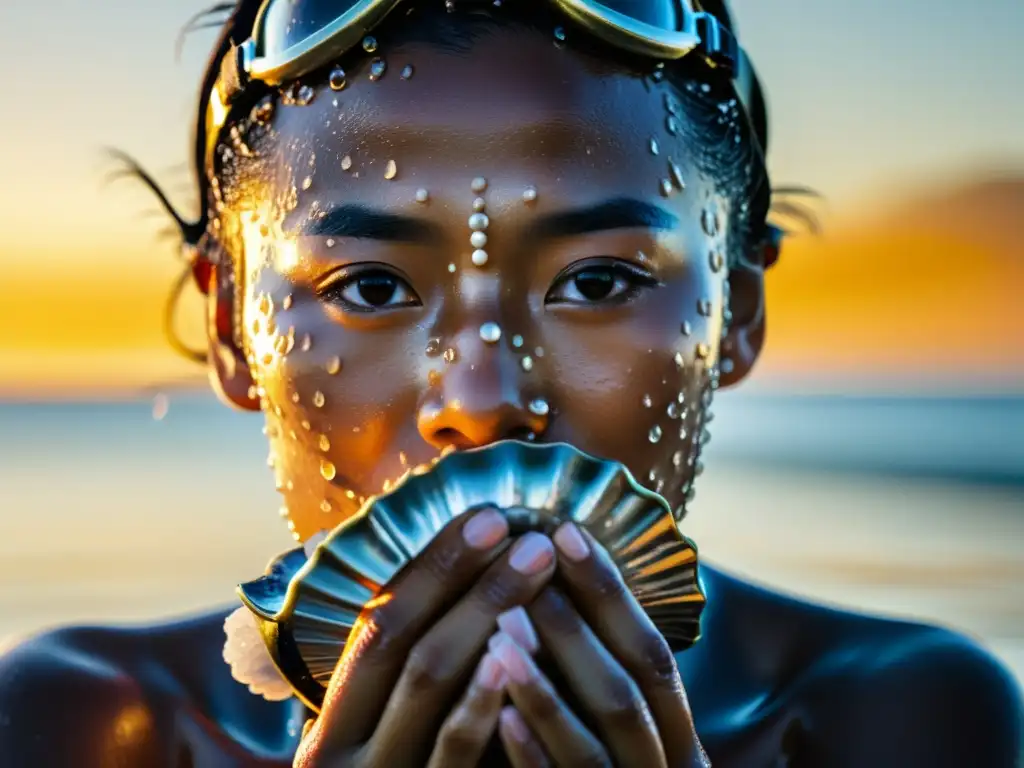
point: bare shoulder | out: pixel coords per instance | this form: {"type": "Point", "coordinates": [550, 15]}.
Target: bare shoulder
{"type": "Point", "coordinates": [926, 696]}
{"type": "Point", "coordinates": [66, 701]}
{"type": "Point", "coordinates": [875, 691]}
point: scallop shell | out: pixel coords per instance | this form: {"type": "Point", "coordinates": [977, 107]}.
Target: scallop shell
{"type": "Point", "coordinates": [306, 608]}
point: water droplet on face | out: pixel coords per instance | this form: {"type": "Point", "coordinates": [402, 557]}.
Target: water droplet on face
{"type": "Point", "coordinates": [727, 365]}
{"type": "Point", "coordinates": [318, 399]}
{"type": "Point", "coordinates": [377, 69]}
{"type": "Point", "coordinates": [390, 170]}
{"type": "Point", "coordinates": [303, 95]}
{"type": "Point", "coordinates": [478, 239]}
{"type": "Point", "coordinates": [530, 195]}
{"type": "Point", "coordinates": [266, 304]}
{"type": "Point", "coordinates": [337, 79]}
{"type": "Point", "coordinates": [665, 187]}
{"type": "Point", "coordinates": [346, 163]}
{"type": "Point", "coordinates": [306, 425]}
{"type": "Point", "coordinates": [451, 268]}
{"type": "Point", "coordinates": [422, 195]}
{"type": "Point", "coordinates": [307, 343]}
{"type": "Point", "coordinates": [333, 365]}
{"type": "Point", "coordinates": [679, 360]}
{"type": "Point", "coordinates": [307, 182]}
{"type": "Point", "coordinates": [709, 222]}
{"type": "Point", "coordinates": [479, 205]}
{"type": "Point", "coordinates": [407, 71]}
{"type": "Point", "coordinates": [526, 363]}
{"type": "Point", "coordinates": [677, 175]}
{"type": "Point", "coordinates": [287, 302]}
{"type": "Point", "coordinates": [560, 34]}
{"type": "Point", "coordinates": [369, 43]}
{"type": "Point", "coordinates": [677, 459]}
{"type": "Point", "coordinates": [686, 329]}
{"type": "Point", "coordinates": [652, 476]}
{"type": "Point", "coordinates": [327, 470]}
{"type": "Point", "coordinates": [479, 258]}
{"type": "Point", "coordinates": [704, 307]}
{"type": "Point", "coordinates": [433, 347]}
{"type": "Point", "coordinates": [490, 332]}
{"type": "Point", "coordinates": [478, 185]}
{"type": "Point", "coordinates": [478, 221]}
{"type": "Point", "coordinates": [653, 146]}
{"type": "Point", "coordinates": [672, 411]}
{"type": "Point", "coordinates": [672, 125]}
{"type": "Point", "coordinates": [716, 260]}
{"type": "Point", "coordinates": [517, 341]}
{"type": "Point", "coordinates": [450, 355]}
{"type": "Point", "coordinates": [655, 434]}
{"type": "Point", "coordinates": [325, 506]}
{"type": "Point", "coordinates": [324, 442]}
{"type": "Point", "coordinates": [539, 407]}
{"type": "Point", "coordinates": [647, 401]}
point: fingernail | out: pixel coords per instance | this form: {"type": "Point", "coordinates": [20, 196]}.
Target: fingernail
{"type": "Point", "coordinates": [514, 724]}
{"type": "Point", "coordinates": [490, 674]}
{"type": "Point", "coordinates": [513, 659]}
{"type": "Point", "coordinates": [516, 624]}
{"type": "Point", "coordinates": [485, 529]}
{"type": "Point", "coordinates": [532, 554]}
{"type": "Point", "coordinates": [570, 541]}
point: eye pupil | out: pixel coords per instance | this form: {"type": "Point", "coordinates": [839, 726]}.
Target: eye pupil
{"type": "Point", "coordinates": [377, 290]}
{"type": "Point", "coordinates": [594, 284]}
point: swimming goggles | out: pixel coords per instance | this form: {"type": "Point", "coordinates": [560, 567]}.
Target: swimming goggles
{"type": "Point", "coordinates": [292, 38]}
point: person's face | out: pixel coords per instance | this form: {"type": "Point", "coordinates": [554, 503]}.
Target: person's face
{"type": "Point", "coordinates": [378, 334]}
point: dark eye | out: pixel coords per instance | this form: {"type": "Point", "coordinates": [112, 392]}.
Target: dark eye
{"type": "Point", "coordinates": [599, 283]}
{"type": "Point", "coordinates": [370, 290]}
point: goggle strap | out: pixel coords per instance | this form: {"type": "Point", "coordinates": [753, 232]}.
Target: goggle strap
{"type": "Point", "coordinates": [717, 43]}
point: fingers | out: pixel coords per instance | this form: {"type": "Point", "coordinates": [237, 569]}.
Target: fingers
{"type": "Point", "coordinates": [466, 732]}
{"type": "Point", "coordinates": [521, 746]}
{"type": "Point", "coordinates": [441, 660]}
{"type": "Point", "coordinates": [595, 586]}
{"type": "Point", "coordinates": [604, 690]}
{"type": "Point", "coordinates": [386, 631]}
{"type": "Point", "coordinates": [544, 714]}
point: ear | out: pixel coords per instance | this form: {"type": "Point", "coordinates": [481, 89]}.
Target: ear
{"type": "Point", "coordinates": [741, 347]}
{"type": "Point", "coordinates": [230, 375]}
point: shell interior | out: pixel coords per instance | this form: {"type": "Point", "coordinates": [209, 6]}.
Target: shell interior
{"type": "Point", "coordinates": [306, 609]}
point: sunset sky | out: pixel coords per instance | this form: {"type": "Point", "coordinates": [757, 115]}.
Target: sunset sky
{"type": "Point", "coordinates": [872, 102]}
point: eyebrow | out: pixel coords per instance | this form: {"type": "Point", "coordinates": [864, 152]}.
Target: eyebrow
{"type": "Point", "coordinates": [361, 222]}
{"type": "Point", "coordinates": [617, 213]}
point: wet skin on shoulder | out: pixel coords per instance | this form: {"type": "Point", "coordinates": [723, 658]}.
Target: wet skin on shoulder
{"type": "Point", "coordinates": [476, 252]}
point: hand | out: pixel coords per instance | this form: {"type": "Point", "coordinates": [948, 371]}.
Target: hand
{"type": "Point", "coordinates": [616, 664]}
{"type": "Point", "coordinates": [415, 648]}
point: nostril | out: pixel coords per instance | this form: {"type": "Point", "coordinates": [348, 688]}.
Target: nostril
{"type": "Point", "coordinates": [449, 436]}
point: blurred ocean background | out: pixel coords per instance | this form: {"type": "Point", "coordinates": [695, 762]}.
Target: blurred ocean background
{"type": "Point", "coordinates": [901, 505]}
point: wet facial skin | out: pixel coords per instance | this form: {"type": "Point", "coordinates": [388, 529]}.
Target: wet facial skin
{"type": "Point", "coordinates": [373, 332]}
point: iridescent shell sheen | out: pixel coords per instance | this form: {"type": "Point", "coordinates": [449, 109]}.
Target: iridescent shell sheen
{"type": "Point", "coordinates": [306, 608]}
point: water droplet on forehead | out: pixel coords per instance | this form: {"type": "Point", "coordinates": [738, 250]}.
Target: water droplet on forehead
{"type": "Point", "coordinates": [709, 222]}
{"type": "Point", "coordinates": [704, 307]}
{"type": "Point", "coordinates": [451, 268]}
{"type": "Point", "coordinates": [318, 399]}
{"type": "Point", "coordinates": [672, 125]}
{"type": "Point", "coordinates": [654, 146]}
{"type": "Point", "coordinates": [539, 407]}
{"type": "Point", "coordinates": [337, 79]}
{"type": "Point", "coordinates": [490, 332]}
{"type": "Point", "coordinates": [286, 303]}
{"type": "Point", "coordinates": [369, 43]}
{"type": "Point", "coordinates": [655, 434]}
{"type": "Point", "coordinates": [346, 163]}
{"type": "Point", "coordinates": [526, 363]}
{"type": "Point", "coordinates": [325, 506]}
{"type": "Point", "coordinates": [407, 71]}
{"type": "Point", "coordinates": [327, 470]}
{"type": "Point", "coordinates": [647, 401]}
{"type": "Point", "coordinates": [677, 174]}
{"type": "Point", "coordinates": [716, 260]}
{"type": "Point", "coordinates": [479, 258]}
{"type": "Point", "coordinates": [677, 459]}
{"type": "Point", "coordinates": [329, 242]}
{"type": "Point", "coordinates": [478, 185]}
{"type": "Point", "coordinates": [422, 195]}
{"type": "Point", "coordinates": [307, 342]}
{"type": "Point", "coordinates": [517, 341]}
{"type": "Point", "coordinates": [324, 442]}
{"type": "Point", "coordinates": [672, 410]}
{"type": "Point", "coordinates": [686, 329]}
{"type": "Point", "coordinates": [390, 170]}
{"type": "Point", "coordinates": [377, 69]}
{"type": "Point", "coordinates": [672, 104]}
{"type": "Point", "coordinates": [665, 187]}
{"type": "Point", "coordinates": [307, 182]}
{"type": "Point", "coordinates": [679, 360]}
{"type": "Point", "coordinates": [530, 194]}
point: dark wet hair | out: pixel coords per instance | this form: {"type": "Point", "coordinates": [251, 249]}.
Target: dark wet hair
{"type": "Point", "coordinates": [731, 146]}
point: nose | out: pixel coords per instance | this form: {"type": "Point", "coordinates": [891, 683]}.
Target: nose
{"type": "Point", "coordinates": [479, 401]}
